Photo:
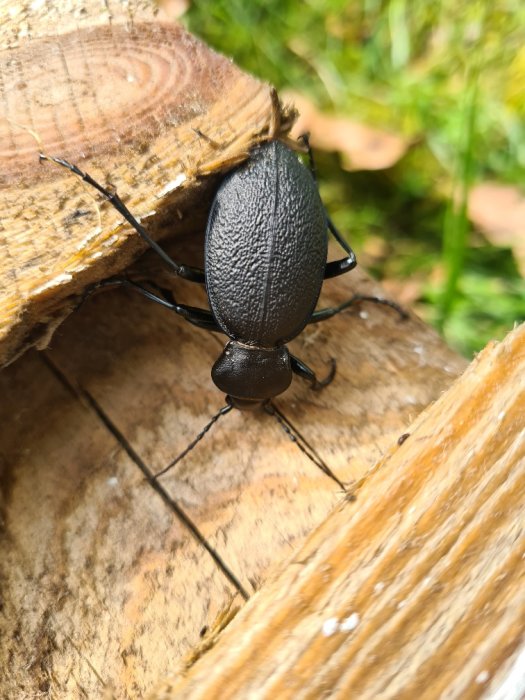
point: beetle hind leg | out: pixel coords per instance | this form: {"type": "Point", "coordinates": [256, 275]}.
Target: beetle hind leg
{"type": "Point", "coordinates": [336, 267]}
{"type": "Point", "coordinates": [193, 274]}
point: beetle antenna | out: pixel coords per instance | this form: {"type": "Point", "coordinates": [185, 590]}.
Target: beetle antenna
{"type": "Point", "coordinates": [221, 412]}
{"type": "Point", "coordinates": [296, 437]}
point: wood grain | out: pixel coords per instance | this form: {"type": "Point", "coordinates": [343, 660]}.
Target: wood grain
{"type": "Point", "coordinates": [103, 586]}
{"type": "Point", "coordinates": [415, 589]}
{"type": "Point", "coordinates": [123, 102]}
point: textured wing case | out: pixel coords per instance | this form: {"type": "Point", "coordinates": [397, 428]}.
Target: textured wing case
{"type": "Point", "coordinates": [266, 247]}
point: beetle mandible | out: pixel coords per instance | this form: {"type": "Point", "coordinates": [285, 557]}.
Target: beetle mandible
{"type": "Point", "coordinates": [265, 261]}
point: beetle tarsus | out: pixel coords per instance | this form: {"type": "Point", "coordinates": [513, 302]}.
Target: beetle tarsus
{"type": "Point", "coordinates": [186, 272]}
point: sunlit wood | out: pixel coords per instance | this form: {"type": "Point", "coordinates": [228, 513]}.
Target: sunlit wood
{"type": "Point", "coordinates": [416, 588]}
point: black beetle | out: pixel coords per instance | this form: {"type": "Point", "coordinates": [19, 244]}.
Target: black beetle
{"type": "Point", "coordinates": [265, 262]}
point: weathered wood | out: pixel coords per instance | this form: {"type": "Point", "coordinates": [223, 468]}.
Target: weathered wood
{"type": "Point", "coordinates": [123, 101]}
{"type": "Point", "coordinates": [102, 585]}
{"type": "Point", "coordinates": [28, 19]}
{"type": "Point", "coordinates": [417, 588]}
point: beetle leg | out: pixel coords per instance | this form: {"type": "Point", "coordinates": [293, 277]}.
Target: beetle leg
{"type": "Point", "coordinates": [198, 317]}
{"type": "Point", "coordinates": [301, 369]}
{"type": "Point", "coordinates": [340, 238]}
{"type": "Point", "coordinates": [305, 138]}
{"type": "Point", "coordinates": [337, 267]}
{"type": "Point", "coordinates": [193, 274]}
{"type": "Point", "coordinates": [323, 314]}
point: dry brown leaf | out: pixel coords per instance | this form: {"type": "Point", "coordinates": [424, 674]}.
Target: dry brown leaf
{"type": "Point", "coordinates": [499, 212]}
{"type": "Point", "coordinates": [172, 9]}
{"type": "Point", "coordinates": [361, 147]}
{"type": "Point", "coordinates": [405, 292]}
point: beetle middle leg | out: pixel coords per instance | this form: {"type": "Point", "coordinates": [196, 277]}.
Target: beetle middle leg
{"type": "Point", "coordinates": [339, 267]}
{"type": "Point", "coordinates": [193, 274]}
{"type": "Point", "coordinates": [323, 314]}
{"type": "Point", "coordinates": [202, 318]}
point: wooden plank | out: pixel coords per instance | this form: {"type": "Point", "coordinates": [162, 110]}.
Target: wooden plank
{"type": "Point", "coordinates": [416, 588]}
{"type": "Point", "coordinates": [103, 587]}
{"type": "Point", "coordinates": [122, 100]}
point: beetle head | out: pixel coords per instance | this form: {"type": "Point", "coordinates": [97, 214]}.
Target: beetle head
{"type": "Point", "coordinates": [252, 375]}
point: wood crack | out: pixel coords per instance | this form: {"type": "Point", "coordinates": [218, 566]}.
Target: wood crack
{"type": "Point", "coordinates": [86, 398]}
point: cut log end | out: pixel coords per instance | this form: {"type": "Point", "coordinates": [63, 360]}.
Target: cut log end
{"type": "Point", "coordinates": [92, 95]}
{"type": "Point", "coordinates": [148, 110]}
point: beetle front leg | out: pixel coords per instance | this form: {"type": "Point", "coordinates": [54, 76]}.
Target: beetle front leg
{"type": "Point", "coordinates": [193, 274]}
{"type": "Point", "coordinates": [302, 370]}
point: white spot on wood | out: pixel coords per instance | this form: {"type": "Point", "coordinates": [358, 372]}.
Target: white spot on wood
{"type": "Point", "coordinates": [513, 685]}
{"type": "Point", "coordinates": [350, 623]}
{"type": "Point", "coordinates": [109, 241]}
{"type": "Point", "coordinates": [152, 212]}
{"type": "Point", "coordinates": [330, 626]}
{"type": "Point", "coordinates": [55, 282]}
{"type": "Point", "coordinates": [173, 185]}
{"type": "Point", "coordinates": [85, 242]}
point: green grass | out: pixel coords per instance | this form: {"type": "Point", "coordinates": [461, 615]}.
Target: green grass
{"type": "Point", "coordinates": [449, 75]}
